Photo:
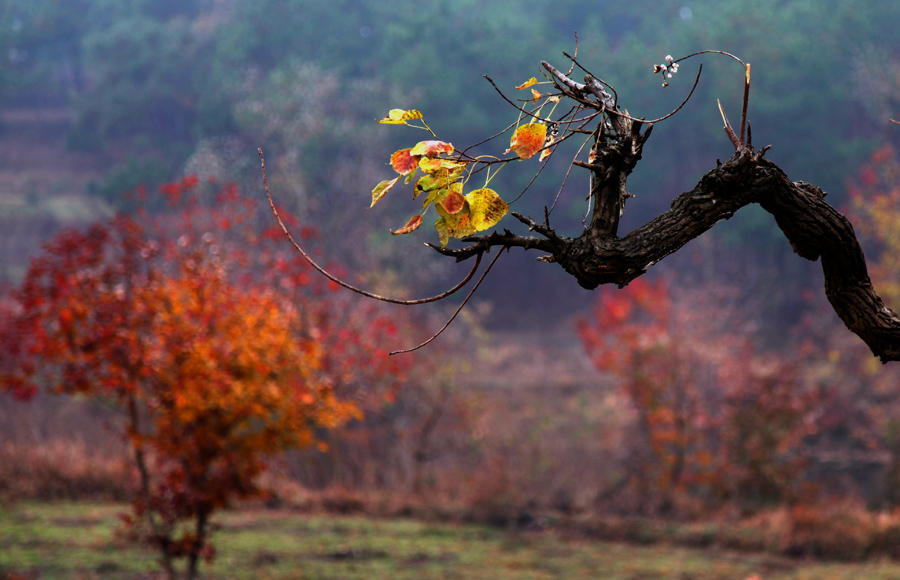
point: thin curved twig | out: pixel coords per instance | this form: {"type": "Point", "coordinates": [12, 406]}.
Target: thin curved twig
{"type": "Point", "coordinates": [458, 310]}
{"type": "Point", "coordinates": [491, 138]}
{"type": "Point", "coordinates": [345, 284]}
{"type": "Point", "coordinates": [576, 54]}
{"type": "Point", "coordinates": [683, 103]}
{"type": "Point", "coordinates": [522, 109]}
{"type": "Point", "coordinates": [693, 54]}
{"type": "Point", "coordinates": [533, 179]}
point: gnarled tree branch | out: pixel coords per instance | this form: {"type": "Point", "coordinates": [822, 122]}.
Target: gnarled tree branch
{"type": "Point", "coordinates": [599, 256]}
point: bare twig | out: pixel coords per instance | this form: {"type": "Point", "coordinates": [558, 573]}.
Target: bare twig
{"type": "Point", "coordinates": [728, 54]}
{"type": "Point", "coordinates": [678, 108]}
{"type": "Point", "coordinates": [728, 130]}
{"type": "Point", "coordinates": [746, 101]}
{"type": "Point", "coordinates": [491, 138]}
{"type": "Point", "coordinates": [458, 310]}
{"type": "Point", "coordinates": [505, 98]}
{"type": "Point", "coordinates": [533, 179]}
{"type": "Point", "coordinates": [576, 87]}
{"type": "Point", "coordinates": [566, 178]}
{"type": "Point", "coordinates": [572, 58]}
{"type": "Point", "coordinates": [345, 284]}
{"type": "Point", "coordinates": [576, 63]}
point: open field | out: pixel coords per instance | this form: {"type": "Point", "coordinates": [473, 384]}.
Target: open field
{"type": "Point", "coordinates": [79, 540]}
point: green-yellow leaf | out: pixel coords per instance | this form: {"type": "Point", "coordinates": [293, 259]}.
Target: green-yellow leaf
{"type": "Point", "coordinates": [412, 225]}
{"type": "Point", "coordinates": [400, 116]}
{"type": "Point", "coordinates": [528, 140]}
{"type": "Point", "coordinates": [437, 180]}
{"type": "Point", "coordinates": [382, 188]}
{"type": "Point", "coordinates": [443, 232]}
{"type": "Point", "coordinates": [485, 208]}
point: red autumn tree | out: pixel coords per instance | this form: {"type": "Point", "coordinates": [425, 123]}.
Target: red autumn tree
{"type": "Point", "coordinates": [713, 416]}
{"type": "Point", "coordinates": [219, 348]}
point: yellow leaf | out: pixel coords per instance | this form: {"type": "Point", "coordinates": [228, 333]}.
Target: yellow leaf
{"type": "Point", "coordinates": [528, 83]}
{"type": "Point", "coordinates": [485, 208]}
{"type": "Point", "coordinates": [535, 95]}
{"type": "Point", "coordinates": [453, 226]}
{"type": "Point", "coordinates": [443, 232]}
{"type": "Point", "coordinates": [400, 116]}
{"type": "Point", "coordinates": [527, 140]}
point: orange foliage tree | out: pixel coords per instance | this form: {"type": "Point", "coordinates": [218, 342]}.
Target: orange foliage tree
{"type": "Point", "coordinates": [220, 350]}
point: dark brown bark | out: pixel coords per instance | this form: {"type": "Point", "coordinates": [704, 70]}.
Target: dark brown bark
{"type": "Point", "coordinates": [599, 256]}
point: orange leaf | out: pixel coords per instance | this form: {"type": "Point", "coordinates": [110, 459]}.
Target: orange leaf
{"type": "Point", "coordinates": [535, 95]}
{"type": "Point", "coordinates": [404, 163]}
{"type": "Point", "coordinates": [453, 202]}
{"type": "Point", "coordinates": [411, 226]}
{"type": "Point", "coordinates": [528, 83]}
{"type": "Point", "coordinates": [528, 140]}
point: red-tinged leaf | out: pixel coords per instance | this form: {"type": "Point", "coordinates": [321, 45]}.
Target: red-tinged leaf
{"type": "Point", "coordinates": [437, 195]}
{"type": "Point", "coordinates": [400, 116]}
{"type": "Point", "coordinates": [535, 95]}
{"type": "Point", "coordinates": [431, 148]}
{"type": "Point", "coordinates": [528, 140]}
{"type": "Point", "coordinates": [528, 83]}
{"type": "Point", "coordinates": [485, 208]}
{"type": "Point", "coordinates": [411, 226]}
{"type": "Point", "coordinates": [404, 163]}
{"type": "Point", "coordinates": [382, 188]}
{"type": "Point", "coordinates": [454, 201]}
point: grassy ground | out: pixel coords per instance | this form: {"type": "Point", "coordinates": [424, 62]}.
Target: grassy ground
{"type": "Point", "coordinates": [77, 540]}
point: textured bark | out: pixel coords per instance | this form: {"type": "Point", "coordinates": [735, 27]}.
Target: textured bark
{"type": "Point", "coordinates": [599, 256]}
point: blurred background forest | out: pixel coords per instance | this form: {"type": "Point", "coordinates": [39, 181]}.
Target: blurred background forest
{"type": "Point", "coordinates": [727, 384]}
